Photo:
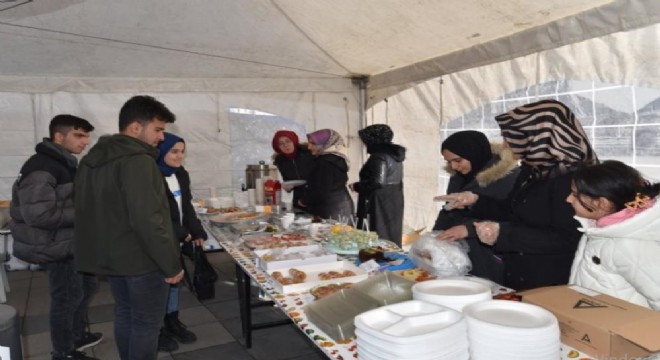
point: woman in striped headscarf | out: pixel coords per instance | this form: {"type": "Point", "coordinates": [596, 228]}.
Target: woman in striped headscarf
{"type": "Point", "coordinates": [533, 230]}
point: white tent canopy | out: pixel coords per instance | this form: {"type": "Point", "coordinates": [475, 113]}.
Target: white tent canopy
{"type": "Point", "coordinates": [295, 59]}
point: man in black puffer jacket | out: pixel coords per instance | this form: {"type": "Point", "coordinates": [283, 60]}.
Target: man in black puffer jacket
{"type": "Point", "coordinates": [43, 230]}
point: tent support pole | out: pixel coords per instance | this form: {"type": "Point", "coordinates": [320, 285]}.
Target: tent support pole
{"type": "Point", "coordinates": [362, 82]}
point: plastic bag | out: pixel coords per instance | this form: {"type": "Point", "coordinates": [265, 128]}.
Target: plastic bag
{"type": "Point", "coordinates": [441, 257]}
{"type": "Point", "coordinates": [205, 276]}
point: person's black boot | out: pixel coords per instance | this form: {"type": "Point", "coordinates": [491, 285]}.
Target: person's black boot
{"type": "Point", "coordinates": [74, 355]}
{"type": "Point", "coordinates": [176, 329]}
{"type": "Point", "coordinates": [166, 343]}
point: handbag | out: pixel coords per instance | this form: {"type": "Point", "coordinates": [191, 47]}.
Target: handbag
{"type": "Point", "coordinates": [205, 276]}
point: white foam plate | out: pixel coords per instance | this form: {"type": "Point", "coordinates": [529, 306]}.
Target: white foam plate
{"type": "Point", "coordinates": [450, 288]}
{"type": "Point", "coordinates": [378, 353]}
{"type": "Point", "coordinates": [440, 346]}
{"type": "Point", "coordinates": [504, 314]}
{"type": "Point", "coordinates": [493, 286]}
{"type": "Point", "coordinates": [408, 321]}
{"type": "Point", "coordinates": [294, 183]}
{"type": "Point", "coordinates": [443, 343]}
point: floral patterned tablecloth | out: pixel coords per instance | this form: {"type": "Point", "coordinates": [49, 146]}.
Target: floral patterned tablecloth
{"type": "Point", "coordinates": [292, 304]}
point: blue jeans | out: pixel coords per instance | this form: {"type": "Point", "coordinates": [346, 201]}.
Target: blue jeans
{"type": "Point", "coordinates": [173, 299]}
{"type": "Point", "coordinates": [70, 295]}
{"type": "Point", "coordinates": [140, 303]}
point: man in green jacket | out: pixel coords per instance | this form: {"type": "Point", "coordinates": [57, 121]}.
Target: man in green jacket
{"type": "Point", "coordinates": [124, 226]}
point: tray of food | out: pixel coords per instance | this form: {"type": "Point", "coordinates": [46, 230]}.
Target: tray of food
{"type": "Point", "coordinates": [236, 217]}
{"type": "Point", "coordinates": [345, 240]}
{"type": "Point", "coordinates": [278, 258]}
{"type": "Point", "coordinates": [209, 210]}
{"type": "Point", "coordinates": [265, 240]}
{"type": "Point", "coordinates": [322, 291]}
{"type": "Point", "coordinates": [415, 274]}
{"type": "Point", "coordinates": [300, 278]}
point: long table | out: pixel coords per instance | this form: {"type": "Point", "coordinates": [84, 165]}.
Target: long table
{"type": "Point", "coordinates": [292, 304]}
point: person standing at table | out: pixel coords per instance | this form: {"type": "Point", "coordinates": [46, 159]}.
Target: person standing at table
{"type": "Point", "coordinates": [327, 196]}
{"type": "Point", "coordinates": [486, 169]}
{"type": "Point", "coordinates": [124, 226]}
{"type": "Point", "coordinates": [43, 228]}
{"type": "Point", "coordinates": [187, 229]}
{"type": "Point", "coordinates": [380, 188]}
{"type": "Point", "coordinates": [533, 230]}
{"type": "Point", "coordinates": [620, 217]}
{"type": "Point", "coordinates": [293, 160]}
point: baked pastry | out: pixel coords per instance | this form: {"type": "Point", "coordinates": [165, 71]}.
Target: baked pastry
{"type": "Point", "coordinates": [376, 253]}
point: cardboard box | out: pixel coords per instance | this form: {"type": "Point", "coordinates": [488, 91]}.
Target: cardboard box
{"type": "Point", "coordinates": [599, 325]}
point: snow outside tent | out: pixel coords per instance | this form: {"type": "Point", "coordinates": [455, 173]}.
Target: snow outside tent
{"type": "Point", "coordinates": [234, 71]}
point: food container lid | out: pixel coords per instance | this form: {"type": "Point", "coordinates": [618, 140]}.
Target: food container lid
{"type": "Point", "coordinates": [335, 314]}
{"type": "Point", "coordinates": [261, 166]}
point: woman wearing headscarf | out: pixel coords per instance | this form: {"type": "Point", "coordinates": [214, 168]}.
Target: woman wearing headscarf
{"type": "Point", "coordinates": [533, 230]}
{"type": "Point", "coordinates": [486, 169]}
{"type": "Point", "coordinates": [327, 196]}
{"type": "Point", "coordinates": [187, 228]}
{"type": "Point", "coordinates": [380, 188]}
{"type": "Point", "coordinates": [293, 160]}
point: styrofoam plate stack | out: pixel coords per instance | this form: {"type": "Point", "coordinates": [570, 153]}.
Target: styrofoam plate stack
{"type": "Point", "coordinates": [451, 293]}
{"type": "Point", "coordinates": [501, 329]}
{"type": "Point", "coordinates": [412, 330]}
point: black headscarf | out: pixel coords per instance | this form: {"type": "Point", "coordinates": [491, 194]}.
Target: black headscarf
{"type": "Point", "coordinates": [472, 146]}
{"type": "Point", "coordinates": [374, 135]}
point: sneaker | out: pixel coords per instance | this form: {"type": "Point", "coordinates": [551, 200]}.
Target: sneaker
{"type": "Point", "coordinates": [177, 330]}
{"type": "Point", "coordinates": [166, 343]}
{"type": "Point", "coordinates": [74, 355]}
{"type": "Point", "coordinates": [88, 340]}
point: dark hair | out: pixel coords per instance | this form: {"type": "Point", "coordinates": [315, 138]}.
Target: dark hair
{"type": "Point", "coordinates": [143, 109]}
{"type": "Point", "coordinates": [613, 180]}
{"type": "Point", "coordinates": [64, 123]}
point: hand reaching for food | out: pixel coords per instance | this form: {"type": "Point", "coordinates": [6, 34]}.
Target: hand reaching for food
{"type": "Point", "coordinates": [459, 200]}
{"type": "Point", "coordinates": [458, 232]}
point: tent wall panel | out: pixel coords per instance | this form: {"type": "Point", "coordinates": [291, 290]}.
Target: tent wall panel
{"type": "Point", "coordinates": [202, 119]}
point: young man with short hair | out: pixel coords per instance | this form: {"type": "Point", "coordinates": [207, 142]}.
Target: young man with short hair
{"type": "Point", "coordinates": [43, 230]}
{"type": "Point", "coordinates": [124, 220]}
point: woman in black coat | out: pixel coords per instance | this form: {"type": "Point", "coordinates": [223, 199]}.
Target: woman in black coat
{"type": "Point", "coordinates": [327, 196]}
{"type": "Point", "coordinates": [187, 229]}
{"type": "Point", "coordinates": [533, 230]}
{"type": "Point", "coordinates": [294, 161]}
{"type": "Point", "coordinates": [486, 169]}
{"type": "Point", "coordinates": [380, 187]}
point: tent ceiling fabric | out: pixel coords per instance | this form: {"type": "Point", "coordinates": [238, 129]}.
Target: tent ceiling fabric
{"type": "Point", "coordinates": [377, 36]}
{"type": "Point", "coordinates": [397, 43]}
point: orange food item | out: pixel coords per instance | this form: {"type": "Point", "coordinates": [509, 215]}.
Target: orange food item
{"type": "Point", "coordinates": [296, 277]}
{"type": "Point", "coordinates": [417, 275]}
{"type": "Point", "coordinates": [327, 290]}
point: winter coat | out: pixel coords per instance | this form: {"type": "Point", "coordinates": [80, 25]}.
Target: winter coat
{"type": "Point", "coordinates": [538, 235]}
{"type": "Point", "coordinates": [621, 259]}
{"type": "Point", "coordinates": [123, 219]}
{"type": "Point", "coordinates": [380, 191]}
{"type": "Point", "coordinates": [298, 168]}
{"type": "Point", "coordinates": [327, 196]}
{"type": "Point", "coordinates": [495, 180]}
{"type": "Point", "coordinates": [42, 206]}
{"type": "Point", "coordinates": [187, 223]}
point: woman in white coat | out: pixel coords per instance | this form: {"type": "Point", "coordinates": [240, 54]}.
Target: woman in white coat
{"type": "Point", "coordinates": [619, 253]}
